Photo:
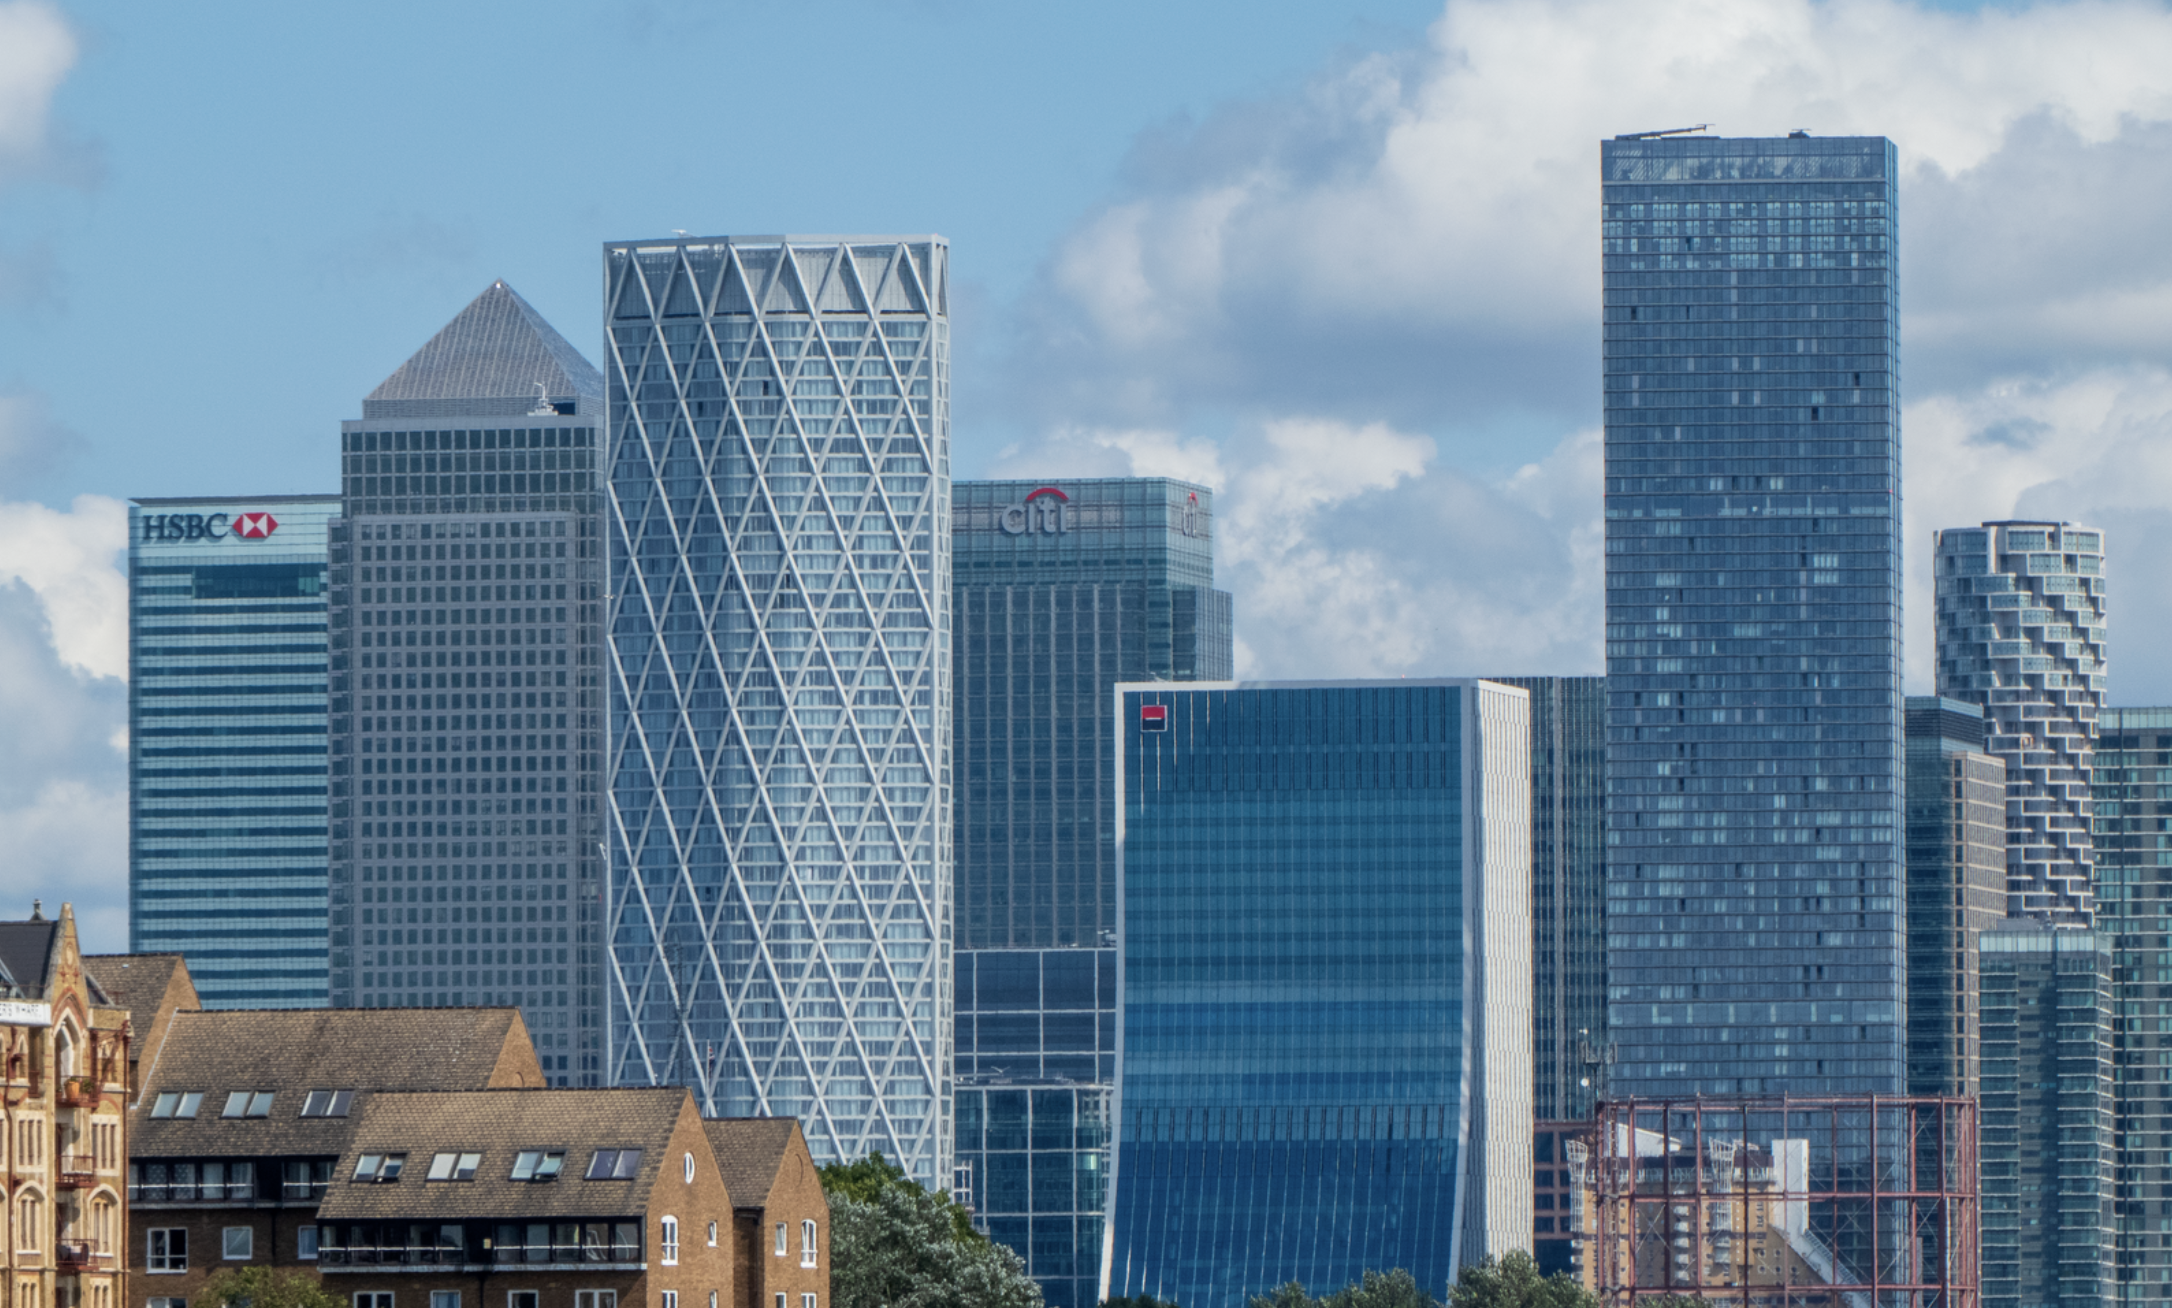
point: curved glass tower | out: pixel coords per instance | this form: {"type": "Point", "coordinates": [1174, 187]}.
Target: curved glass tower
{"type": "Point", "coordinates": [780, 819]}
{"type": "Point", "coordinates": [1755, 933]}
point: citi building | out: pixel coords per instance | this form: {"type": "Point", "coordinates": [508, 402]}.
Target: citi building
{"type": "Point", "coordinates": [780, 821]}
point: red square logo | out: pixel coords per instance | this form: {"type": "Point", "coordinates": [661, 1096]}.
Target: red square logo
{"type": "Point", "coordinates": [1153, 717]}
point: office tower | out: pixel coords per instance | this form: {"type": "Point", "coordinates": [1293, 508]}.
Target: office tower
{"type": "Point", "coordinates": [2047, 1117]}
{"type": "Point", "coordinates": [226, 743]}
{"type": "Point", "coordinates": [2021, 632]}
{"type": "Point", "coordinates": [1956, 840]}
{"type": "Point", "coordinates": [1325, 1057]}
{"type": "Point", "coordinates": [466, 712]}
{"type": "Point", "coordinates": [1568, 894]}
{"type": "Point", "coordinates": [780, 787]}
{"type": "Point", "coordinates": [2134, 909]}
{"type": "Point", "coordinates": [1753, 612]}
{"type": "Point", "coordinates": [1060, 590]}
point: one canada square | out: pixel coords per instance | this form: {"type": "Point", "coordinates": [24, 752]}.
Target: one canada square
{"type": "Point", "coordinates": [1753, 555]}
{"type": "Point", "coordinates": [780, 673]}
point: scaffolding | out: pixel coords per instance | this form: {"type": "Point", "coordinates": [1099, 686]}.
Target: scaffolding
{"type": "Point", "coordinates": [1839, 1201]}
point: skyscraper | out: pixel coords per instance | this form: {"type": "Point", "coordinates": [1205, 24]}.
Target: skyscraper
{"type": "Point", "coordinates": [1568, 893]}
{"type": "Point", "coordinates": [226, 743]}
{"type": "Point", "coordinates": [780, 674]}
{"type": "Point", "coordinates": [1325, 1056]}
{"type": "Point", "coordinates": [2048, 1224]}
{"type": "Point", "coordinates": [1754, 879]}
{"type": "Point", "coordinates": [466, 711]}
{"type": "Point", "coordinates": [2021, 632]}
{"type": "Point", "coordinates": [1956, 888]}
{"type": "Point", "coordinates": [2134, 909]}
{"type": "Point", "coordinates": [1062, 589]}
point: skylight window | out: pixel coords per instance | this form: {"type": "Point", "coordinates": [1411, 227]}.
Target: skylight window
{"type": "Point", "coordinates": [454, 1167]}
{"type": "Point", "coordinates": [379, 1167]}
{"type": "Point", "coordinates": [177, 1103]}
{"type": "Point", "coordinates": [538, 1164]}
{"type": "Point", "coordinates": [327, 1103]}
{"type": "Point", "coordinates": [614, 1164]}
{"type": "Point", "coordinates": [245, 1103]}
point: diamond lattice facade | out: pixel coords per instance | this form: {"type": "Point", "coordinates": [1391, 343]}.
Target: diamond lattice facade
{"type": "Point", "coordinates": [466, 706]}
{"type": "Point", "coordinates": [780, 766]}
{"type": "Point", "coordinates": [1755, 929]}
{"type": "Point", "coordinates": [2021, 632]}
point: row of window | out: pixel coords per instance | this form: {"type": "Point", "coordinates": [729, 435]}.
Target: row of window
{"type": "Point", "coordinates": [528, 1165]}
{"type": "Point", "coordinates": [166, 1249]}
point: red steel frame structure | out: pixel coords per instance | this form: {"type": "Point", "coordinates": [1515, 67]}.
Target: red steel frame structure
{"type": "Point", "coordinates": [1877, 1192]}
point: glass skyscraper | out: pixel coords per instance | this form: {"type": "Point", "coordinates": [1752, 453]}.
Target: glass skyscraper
{"type": "Point", "coordinates": [1324, 1063]}
{"type": "Point", "coordinates": [226, 743]}
{"type": "Point", "coordinates": [1755, 906]}
{"type": "Point", "coordinates": [1061, 590]}
{"type": "Point", "coordinates": [780, 680]}
{"type": "Point", "coordinates": [2021, 610]}
{"type": "Point", "coordinates": [1956, 888]}
{"type": "Point", "coordinates": [467, 576]}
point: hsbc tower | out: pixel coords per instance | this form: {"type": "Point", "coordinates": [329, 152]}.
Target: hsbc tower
{"type": "Point", "coordinates": [226, 743]}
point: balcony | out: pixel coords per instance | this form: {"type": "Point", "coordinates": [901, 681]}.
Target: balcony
{"type": "Point", "coordinates": [79, 1092]}
{"type": "Point", "coordinates": [76, 1171]}
{"type": "Point", "coordinates": [78, 1256]}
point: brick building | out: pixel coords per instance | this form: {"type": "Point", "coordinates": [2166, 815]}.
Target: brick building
{"type": "Point", "coordinates": [152, 987]}
{"type": "Point", "coordinates": [779, 1214]}
{"type": "Point", "coordinates": [63, 1129]}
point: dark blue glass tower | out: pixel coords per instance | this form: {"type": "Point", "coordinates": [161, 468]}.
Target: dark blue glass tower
{"type": "Point", "coordinates": [1324, 1062]}
{"type": "Point", "coordinates": [1755, 905]}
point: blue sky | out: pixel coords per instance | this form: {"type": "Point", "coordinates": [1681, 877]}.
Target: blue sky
{"type": "Point", "coordinates": [1336, 260]}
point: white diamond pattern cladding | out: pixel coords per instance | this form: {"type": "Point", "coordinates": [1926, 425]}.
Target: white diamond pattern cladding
{"type": "Point", "coordinates": [781, 870]}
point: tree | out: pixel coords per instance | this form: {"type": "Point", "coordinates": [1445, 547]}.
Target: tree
{"type": "Point", "coordinates": [1395, 1289]}
{"type": "Point", "coordinates": [264, 1287]}
{"type": "Point", "coordinates": [1137, 1301]}
{"type": "Point", "coordinates": [1513, 1281]}
{"type": "Point", "coordinates": [896, 1245]}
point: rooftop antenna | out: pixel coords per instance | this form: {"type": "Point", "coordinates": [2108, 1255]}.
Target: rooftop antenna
{"type": "Point", "coordinates": [542, 407]}
{"type": "Point", "coordinates": [1671, 131]}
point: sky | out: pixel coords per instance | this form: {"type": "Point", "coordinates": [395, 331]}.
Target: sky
{"type": "Point", "coordinates": [1336, 259]}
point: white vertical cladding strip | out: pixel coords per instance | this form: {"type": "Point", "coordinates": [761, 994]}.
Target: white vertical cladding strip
{"type": "Point", "coordinates": [1499, 888]}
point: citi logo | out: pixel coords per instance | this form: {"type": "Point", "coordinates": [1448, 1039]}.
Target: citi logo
{"type": "Point", "coordinates": [170, 527]}
{"type": "Point", "coordinates": [1046, 510]}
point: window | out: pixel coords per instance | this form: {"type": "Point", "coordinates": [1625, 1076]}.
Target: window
{"type": "Point", "coordinates": [166, 1249]}
{"type": "Point", "coordinates": [520, 1299]}
{"type": "Point", "coordinates": [327, 1103]}
{"type": "Point", "coordinates": [671, 1299]}
{"type": "Point", "coordinates": [29, 1221]}
{"type": "Point", "coordinates": [712, 1235]}
{"type": "Point", "coordinates": [595, 1299]}
{"type": "Point", "coordinates": [444, 1299]}
{"type": "Point", "coordinates": [305, 1243]}
{"type": "Point", "coordinates": [244, 1103]}
{"type": "Point", "coordinates": [156, 1301]}
{"type": "Point", "coordinates": [688, 1169]}
{"type": "Point", "coordinates": [454, 1167]}
{"type": "Point", "coordinates": [806, 1301]}
{"type": "Point", "coordinates": [177, 1103]}
{"type": "Point", "coordinates": [780, 1300]}
{"type": "Point", "coordinates": [376, 1299]}
{"type": "Point", "coordinates": [236, 1243]}
{"type": "Point", "coordinates": [379, 1167]}
{"type": "Point", "coordinates": [614, 1164]}
{"type": "Point", "coordinates": [538, 1164]}
{"type": "Point", "coordinates": [806, 1244]}
{"type": "Point", "coordinates": [669, 1239]}
{"type": "Point", "coordinates": [782, 1246]}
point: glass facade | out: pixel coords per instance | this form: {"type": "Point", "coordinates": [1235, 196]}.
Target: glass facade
{"type": "Point", "coordinates": [466, 704]}
{"type": "Point", "coordinates": [1568, 895]}
{"type": "Point", "coordinates": [1956, 839]}
{"type": "Point", "coordinates": [1751, 351]}
{"type": "Point", "coordinates": [780, 676]}
{"type": "Point", "coordinates": [2132, 789]}
{"type": "Point", "coordinates": [2047, 1155]}
{"type": "Point", "coordinates": [1324, 1057]}
{"type": "Point", "coordinates": [2021, 632]}
{"type": "Point", "coordinates": [226, 743]}
{"type": "Point", "coordinates": [1061, 590]}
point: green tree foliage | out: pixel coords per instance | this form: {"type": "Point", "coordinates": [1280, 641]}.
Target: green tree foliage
{"type": "Point", "coordinates": [264, 1287]}
{"type": "Point", "coordinates": [1138, 1301]}
{"type": "Point", "coordinates": [1513, 1281]}
{"type": "Point", "coordinates": [1396, 1289]}
{"type": "Point", "coordinates": [895, 1245]}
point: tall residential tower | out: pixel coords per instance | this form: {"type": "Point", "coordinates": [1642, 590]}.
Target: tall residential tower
{"type": "Point", "coordinates": [1753, 559]}
{"type": "Point", "coordinates": [780, 681]}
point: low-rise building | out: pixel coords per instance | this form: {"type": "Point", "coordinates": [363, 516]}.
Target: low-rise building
{"type": "Point", "coordinates": [152, 987]}
{"type": "Point", "coordinates": [63, 1127]}
{"type": "Point", "coordinates": [779, 1213]}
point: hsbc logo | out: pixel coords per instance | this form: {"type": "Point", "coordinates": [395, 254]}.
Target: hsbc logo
{"type": "Point", "coordinates": [1047, 511]}
{"type": "Point", "coordinates": [171, 527]}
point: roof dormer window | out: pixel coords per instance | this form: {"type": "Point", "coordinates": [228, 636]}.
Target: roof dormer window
{"type": "Point", "coordinates": [327, 1103]}
{"type": "Point", "coordinates": [614, 1165]}
{"type": "Point", "coordinates": [538, 1164]}
{"type": "Point", "coordinates": [177, 1103]}
{"type": "Point", "coordinates": [454, 1167]}
{"type": "Point", "coordinates": [380, 1167]}
{"type": "Point", "coordinates": [245, 1103]}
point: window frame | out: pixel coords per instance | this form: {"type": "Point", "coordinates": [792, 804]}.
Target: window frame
{"type": "Point", "coordinates": [667, 1240]}
{"type": "Point", "coordinates": [444, 1299]}
{"type": "Point", "coordinates": [305, 1243]}
{"type": "Point", "coordinates": [784, 1244]}
{"type": "Point", "coordinates": [227, 1236]}
{"type": "Point", "coordinates": [159, 1257]}
{"type": "Point", "coordinates": [809, 1238]}
{"type": "Point", "coordinates": [670, 1299]}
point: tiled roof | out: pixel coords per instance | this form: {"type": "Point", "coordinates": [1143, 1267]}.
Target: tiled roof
{"type": "Point", "coordinates": [291, 1051]}
{"type": "Point", "coordinates": [26, 950]}
{"type": "Point", "coordinates": [136, 982]}
{"type": "Point", "coordinates": [749, 1150]}
{"type": "Point", "coordinates": [499, 1124]}
{"type": "Point", "coordinates": [497, 356]}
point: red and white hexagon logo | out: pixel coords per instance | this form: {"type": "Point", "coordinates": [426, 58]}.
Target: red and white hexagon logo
{"type": "Point", "coordinates": [255, 526]}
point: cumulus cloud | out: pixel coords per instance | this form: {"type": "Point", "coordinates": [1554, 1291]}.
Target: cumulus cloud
{"type": "Point", "coordinates": [36, 51]}
{"type": "Point", "coordinates": [1297, 293]}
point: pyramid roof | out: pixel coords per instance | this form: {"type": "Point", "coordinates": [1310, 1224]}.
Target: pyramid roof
{"type": "Point", "coordinates": [496, 358]}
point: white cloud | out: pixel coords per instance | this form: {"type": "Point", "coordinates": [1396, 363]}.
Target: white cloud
{"type": "Point", "coordinates": [36, 51]}
{"type": "Point", "coordinates": [70, 560]}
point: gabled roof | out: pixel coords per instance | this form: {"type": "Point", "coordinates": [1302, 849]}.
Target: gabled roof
{"type": "Point", "coordinates": [499, 1125]}
{"type": "Point", "coordinates": [136, 982]}
{"type": "Point", "coordinates": [26, 957]}
{"type": "Point", "coordinates": [292, 1051]}
{"type": "Point", "coordinates": [749, 1152]}
{"type": "Point", "coordinates": [497, 357]}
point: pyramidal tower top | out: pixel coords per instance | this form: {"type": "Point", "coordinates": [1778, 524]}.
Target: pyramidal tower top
{"type": "Point", "coordinates": [496, 358]}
